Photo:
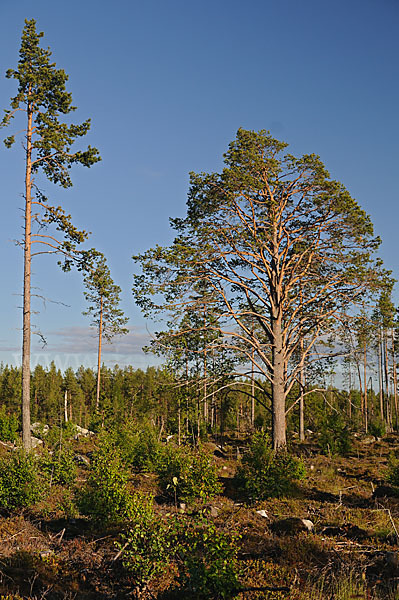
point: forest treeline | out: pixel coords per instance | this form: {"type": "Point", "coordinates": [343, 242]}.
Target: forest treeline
{"type": "Point", "coordinates": [194, 395]}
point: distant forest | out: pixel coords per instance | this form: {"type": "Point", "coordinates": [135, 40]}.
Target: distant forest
{"type": "Point", "coordinates": [358, 390]}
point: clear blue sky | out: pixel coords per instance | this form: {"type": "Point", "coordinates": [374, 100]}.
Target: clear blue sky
{"type": "Point", "coordinates": [167, 83]}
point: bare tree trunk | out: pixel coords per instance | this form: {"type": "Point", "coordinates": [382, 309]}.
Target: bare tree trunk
{"type": "Point", "coordinates": [359, 374]}
{"type": "Point", "coordinates": [66, 406]}
{"type": "Point", "coordinates": [365, 387]}
{"type": "Point", "coordinates": [395, 378]}
{"type": "Point", "coordinates": [213, 397]}
{"type": "Point", "coordinates": [278, 359]}
{"type": "Point", "coordinates": [349, 393]}
{"type": "Point", "coordinates": [278, 388]}
{"type": "Point", "coordinates": [253, 391]}
{"type": "Point", "coordinates": [198, 421]}
{"type": "Point", "coordinates": [205, 391]}
{"type": "Point", "coordinates": [301, 398]}
{"type": "Point", "coordinates": [381, 392]}
{"type": "Point", "coordinates": [100, 337]}
{"type": "Point", "coordinates": [205, 374]}
{"type": "Point", "coordinates": [26, 327]}
{"type": "Point", "coordinates": [179, 421]}
{"type": "Point", "coordinates": [187, 404]}
{"type": "Point", "coordinates": [385, 359]}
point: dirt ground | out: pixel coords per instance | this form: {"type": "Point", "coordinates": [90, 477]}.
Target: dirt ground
{"type": "Point", "coordinates": [351, 550]}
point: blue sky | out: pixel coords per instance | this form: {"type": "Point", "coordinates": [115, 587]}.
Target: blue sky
{"type": "Point", "coordinates": [167, 83]}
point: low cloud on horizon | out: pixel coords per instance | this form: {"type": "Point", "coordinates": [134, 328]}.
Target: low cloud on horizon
{"type": "Point", "coordinates": [78, 340]}
{"type": "Point", "coordinates": [76, 346]}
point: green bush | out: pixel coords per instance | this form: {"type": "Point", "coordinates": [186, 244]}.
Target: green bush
{"type": "Point", "coordinates": [392, 474]}
{"type": "Point", "coordinates": [105, 496]}
{"type": "Point", "coordinates": [8, 426]}
{"type": "Point", "coordinates": [20, 485]}
{"type": "Point", "coordinates": [139, 447]}
{"type": "Point", "coordinates": [335, 436]}
{"type": "Point", "coordinates": [69, 430]}
{"type": "Point", "coordinates": [265, 473]}
{"type": "Point", "coordinates": [145, 547]}
{"type": "Point", "coordinates": [59, 466]}
{"type": "Point", "coordinates": [58, 435]}
{"type": "Point", "coordinates": [377, 428]}
{"type": "Point", "coordinates": [186, 474]}
{"type": "Point", "coordinates": [206, 560]}
{"type": "Point", "coordinates": [66, 503]}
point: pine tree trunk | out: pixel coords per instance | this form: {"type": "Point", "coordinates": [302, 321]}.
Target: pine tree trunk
{"type": "Point", "coordinates": [26, 326]}
{"type": "Point", "coordinates": [198, 421]}
{"type": "Point", "coordinates": [205, 407]}
{"type": "Point", "coordinates": [381, 391]}
{"type": "Point", "coordinates": [278, 388]}
{"type": "Point", "coordinates": [187, 403]}
{"type": "Point", "coordinates": [179, 421]}
{"type": "Point", "coordinates": [278, 359]}
{"type": "Point", "coordinates": [349, 394]}
{"type": "Point", "coordinates": [365, 387]}
{"type": "Point", "coordinates": [100, 336]}
{"type": "Point", "coordinates": [253, 391]}
{"type": "Point", "coordinates": [213, 398]}
{"type": "Point", "coordinates": [395, 379]}
{"type": "Point", "coordinates": [361, 389]}
{"type": "Point", "coordinates": [388, 403]}
{"type": "Point", "coordinates": [301, 398]}
{"type": "Point", "coordinates": [205, 391]}
{"type": "Point", "coordinates": [66, 406]}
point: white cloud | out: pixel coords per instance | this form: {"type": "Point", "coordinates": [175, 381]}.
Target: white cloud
{"type": "Point", "coordinates": [76, 346]}
{"type": "Point", "coordinates": [78, 340]}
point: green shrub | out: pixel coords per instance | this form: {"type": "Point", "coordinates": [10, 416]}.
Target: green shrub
{"type": "Point", "coordinates": [66, 503]}
{"type": "Point", "coordinates": [105, 496]}
{"type": "Point", "coordinates": [58, 435]}
{"type": "Point", "coordinates": [69, 430]}
{"type": "Point", "coordinates": [377, 428]}
{"type": "Point", "coordinates": [335, 435]}
{"type": "Point", "coordinates": [207, 560]}
{"type": "Point", "coordinates": [8, 426]}
{"type": "Point", "coordinates": [185, 474]}
{"type": "Point", "coordinates": [265, 473]}
{"type": "Point", "coordinates": [392, 474]}
{"type": "Point", "coordinates": [20, 485]}
{"type": "Point", "coordinates": [145, 547]}
{"type": "Point", "coordinates": [139, 447]}
{"type": "Point", "coordinates": [96, 423]}
{"type": "Point", "coordinates": [59, 466]}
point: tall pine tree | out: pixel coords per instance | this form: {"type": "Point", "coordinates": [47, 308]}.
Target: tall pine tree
{"type": "Point", "coordinates": [42, 98]}
{"type": "Point", "coordinates": [103, 297]}
{"type": "Point", "coordinates": [280, 244]}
